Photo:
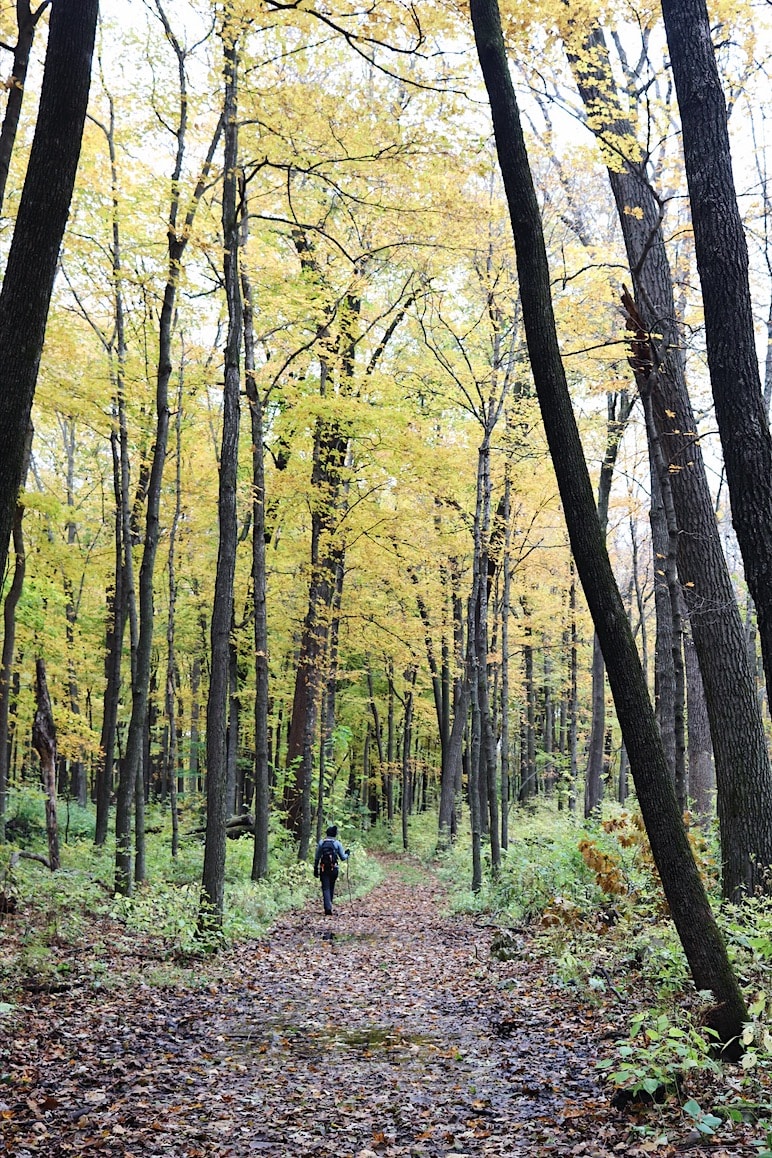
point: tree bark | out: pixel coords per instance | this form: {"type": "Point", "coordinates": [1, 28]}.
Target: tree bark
{"type": "Point", "coordinates": [262, 756]}
{"type": "Point", "coordinates": [27, 22]}
{"type": "Point", "coordinates": [700, 936]}
{"type": "Point", "coordinates": [44, 743]}
{"type": "Point", "coordinates": [742, 763]}
{"type": "Point", "coordinates": [213, 877]}
{"type": "Point", "coordinates": [619, 408]}
{"type": "Point", "coordinates": [178, 236]}
{"type": "Point", "coordinates": [12, 598]}
{"type": "Point", "coordinates": [722, 262]}
{"type": "Point", "coordinates": [37, 236]}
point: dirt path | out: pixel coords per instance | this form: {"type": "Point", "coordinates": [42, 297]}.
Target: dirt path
{"type": "Point", "coordinates": [386, 1030]}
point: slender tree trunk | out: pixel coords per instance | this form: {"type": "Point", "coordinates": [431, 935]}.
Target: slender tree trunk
{"type": "Point", "coordinates": [178, 236]}
{"type": "Point", "coordinates": [702, 780]}
{"type": "Point", "coordinates": [619, 407]}
{"type": "Point", "coordinates": [40, 223]}
{"type": "Point", "coordinates": [213, 877]}
{"type": "Point", "coordinates": [78, 786]}
{"type": "Point", "coordinates": [506, 610]}
{"type": "Point", "coordinates": [407, 734]}
{"type": "Point", "coordinates": [529, 785]}
{"type": "Point", "coordinates": [171, 658]}
{"type": "Point", "coordinates": [116, 624]}
{"type": "Point", "coordinates": [262, 756]}
{"type": "Point", "coordinates": [573, 710]}
{"type": "Point", "coordinates": [12, 598]}
{"type": "Point", "coordinates": [664, 672]}
{"type": "Point", "coordinates": [44, 742]}
{"type": "Point", "coordinates": [691, 911]}
{"type": "Point", "coordinates": [672, 612]}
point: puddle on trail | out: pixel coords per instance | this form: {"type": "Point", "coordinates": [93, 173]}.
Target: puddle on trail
{"type": "Point", "coordinates": [310, 1040]}
{"type": "Point", "coordinates": [346, 938]}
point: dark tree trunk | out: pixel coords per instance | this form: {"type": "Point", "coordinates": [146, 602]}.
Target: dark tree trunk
{"type": "Point", "coordinates": [528, 782]}
{"type": "Point", "coordinates": [177, 240]}
{"type": "Point", "coordinates": [664, 674]}
{"type": "Point", "coordinates": [689, 905]}
{"type": "Point", "coordinates": [44, 743]}
{"type": "Point", "coordinates": [213, 877]}
{"type": "Point", "coordinates": [9, 643]}
{"type": "Point", "coordinates": [170, 699]}
{"type": "Point", "coordinates": [116, 625]}
{"type": "Point", "coordinates": [37, 236]}
{"type": "Point", "coordinates": [702, 780]}
{"type": "Point", "coordinates": [742, 764]}
{"type": "Point", "coordinates": [722, 262]}
{"type": "Point", "coordinates": [506, 610]}
{"type": "Point", "coordinates": [619, 407]}
{"type": "Point", "coordinates": [27, 22]}
{"type": "Point", "coordinates": [262, 756]}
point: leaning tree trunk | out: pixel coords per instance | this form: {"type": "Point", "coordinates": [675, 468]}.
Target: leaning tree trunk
{"type": "Point", "coordinates": [689, 905]}
{"type": "Point", "coordinates": [37, 236]}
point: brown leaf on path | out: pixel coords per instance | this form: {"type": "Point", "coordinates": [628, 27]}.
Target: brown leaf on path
{"type": "Point", "coordinates": [379, 1037]}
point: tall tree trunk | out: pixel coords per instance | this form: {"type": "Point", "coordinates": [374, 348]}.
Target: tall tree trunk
{"type": "Point", "coordinates": [722, 262]}
{"type": "Point", "coordinates": [506, 610]}
{"type": "Point", "coordinates": [619, 407]}
{"type": "Point", "coordinates": [573, 709]}
{"type": "Point", "coordinates": [178, 236]}
{"type": "Point", "coordinates": [172, 761]}
{"type": "Point", "coordinates": [407, 735]}
{"type": "Point", "coordinates": [742, 764]}
{"type": "Point", "coordinates": [664, 671]}
{"type": "Point", "coordinates": [262, 757]}
{"type": "Point", "coordinates": [37, 236]}
{"type": "Point", "coordinates": [213, 877]}
{"type": "Point", "coordinates": [77, 767]}
{"type": "Point", "coordinates": [116, 624]}
{"type": "Point", "coordinates": [689, 905]}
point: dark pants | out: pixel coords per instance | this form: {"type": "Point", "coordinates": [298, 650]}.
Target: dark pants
{"type": "Point", "coordinates": [328, 880]}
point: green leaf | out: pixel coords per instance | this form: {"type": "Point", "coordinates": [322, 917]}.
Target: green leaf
{"type": "Point", "coordinates": [692, 1108]}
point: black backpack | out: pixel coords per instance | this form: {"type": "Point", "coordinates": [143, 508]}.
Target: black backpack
{"type": "Point", "coordinates": [328, 857]}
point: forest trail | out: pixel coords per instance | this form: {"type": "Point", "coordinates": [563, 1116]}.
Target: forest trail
{"type": "Point", "coordinates": [386, 1030]}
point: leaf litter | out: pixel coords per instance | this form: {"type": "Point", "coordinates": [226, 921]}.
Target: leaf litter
{"type": "Point", "coordinates": [388, 1030]}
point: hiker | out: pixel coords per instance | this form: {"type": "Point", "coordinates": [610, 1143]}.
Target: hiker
{"type": "Point", "coordinates": [328, 852]}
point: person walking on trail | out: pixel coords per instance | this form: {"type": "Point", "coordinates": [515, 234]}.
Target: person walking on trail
{"type": "Point", "coordinates": [328, 853]}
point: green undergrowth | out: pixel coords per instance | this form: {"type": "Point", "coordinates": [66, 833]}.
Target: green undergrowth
{"type": "Point", "coordinates": [68, 927]}
{"type": "Point", "coordinates": [588, 900]}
